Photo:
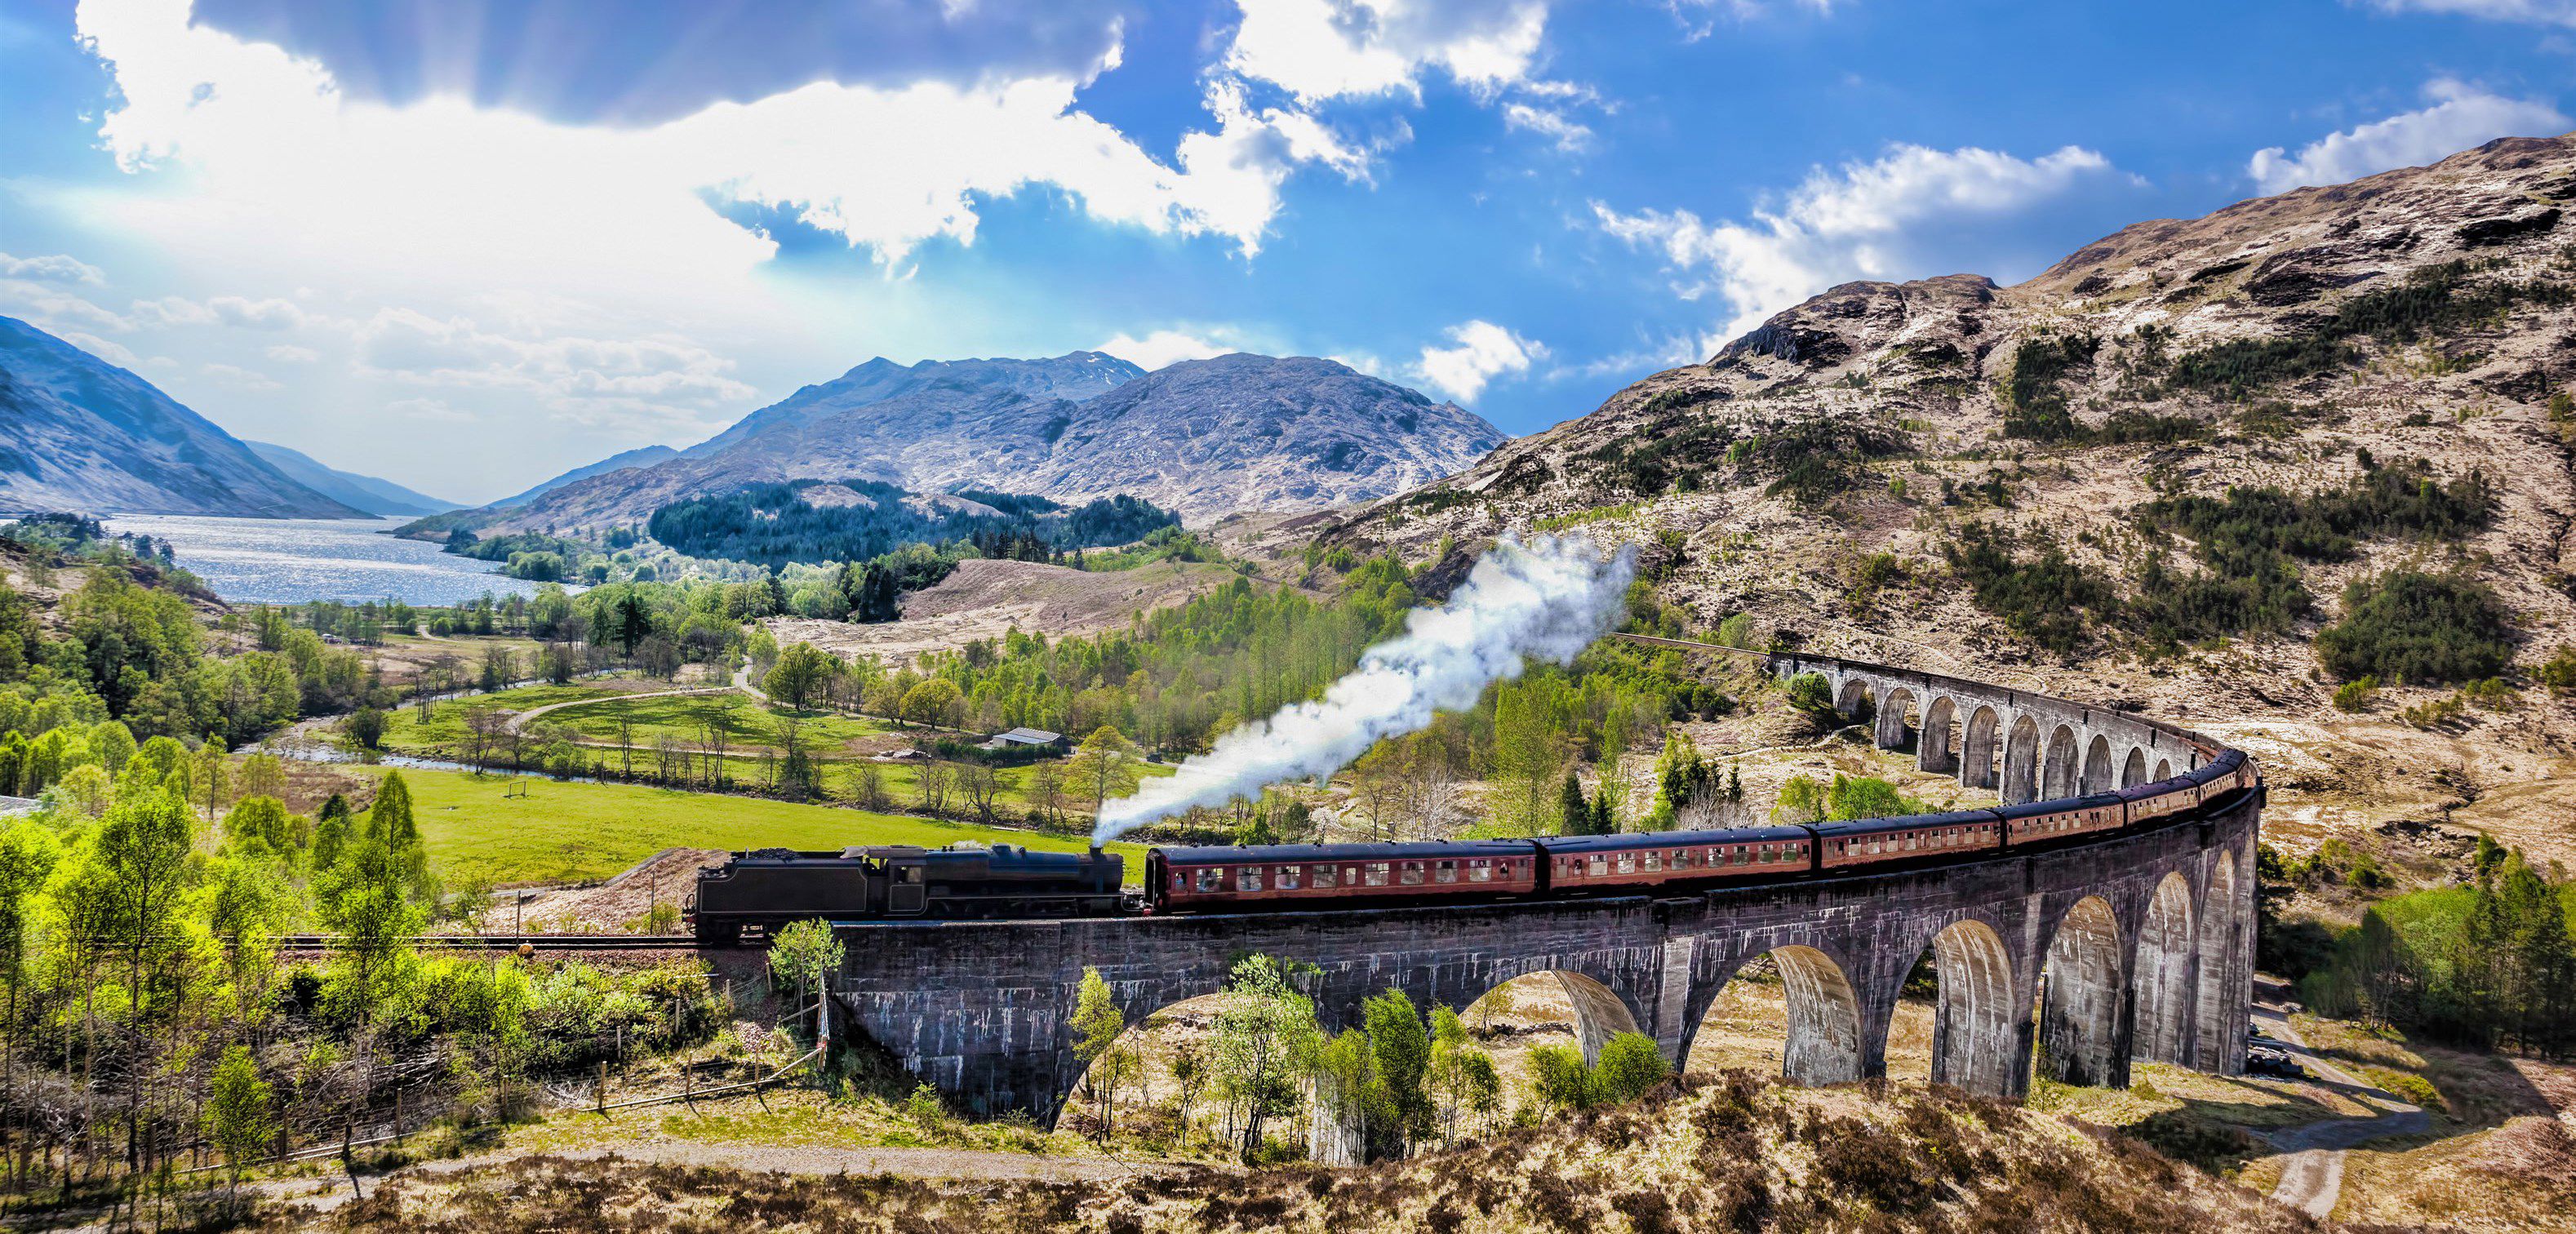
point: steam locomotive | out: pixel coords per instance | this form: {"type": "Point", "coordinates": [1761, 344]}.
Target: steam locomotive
{"type": "Point", "coordinates": [771, 887]}
{"type": "Point", "coordinates": [765, 889]}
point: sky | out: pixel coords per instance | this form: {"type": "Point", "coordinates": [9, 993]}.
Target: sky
{"type": "Point", "coordinates": [468, 244]}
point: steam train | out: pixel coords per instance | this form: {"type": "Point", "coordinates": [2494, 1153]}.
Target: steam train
{"type": "Point", "coordinates": [771, 887]}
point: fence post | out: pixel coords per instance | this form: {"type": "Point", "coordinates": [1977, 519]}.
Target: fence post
{"type": "Point", "coordinates": [600, 1095]}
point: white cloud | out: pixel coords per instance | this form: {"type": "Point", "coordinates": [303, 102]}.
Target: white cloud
{"type": "Point", "coordinates": [55, 268]}
{"type": "Point", "coordinates": [289, 353]}
{"type": "Point", "coordinates": [270, 314]}
{"type": "Point", "coordinates": [2535, 12]}
{"type": "Point", "coordinates": [1855, 222]}
{"type": "Point", "coordinates": [283, 161]}
{"type": "Point", "coordinates": [2460, 117]}
{"type": "Point", "coordinates": [1320, 50]}
{"type": "Point", "coordinates": [1482, 351]}
{"type": "Point", "coordinates": [235, 375]}
{"type": "Point", "coordinates": [1162, 347]}
{"type": "Point", "coordinates": [168, 311]}
{"type": "Point", "coordinates": [594, 380]}
{"type": "Point", "coordinates": [1549, 123]}
{"type": "Point", "coordinates": [113, 353]}
{"type": "Point", "coordinates": [58, 310]}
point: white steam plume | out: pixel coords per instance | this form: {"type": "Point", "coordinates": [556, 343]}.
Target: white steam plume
{"type": "Point", "coordinates": [1546, 600]}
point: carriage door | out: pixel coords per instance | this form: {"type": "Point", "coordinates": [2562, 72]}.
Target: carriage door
{"type": "Point", "coordinates": [906, 893]}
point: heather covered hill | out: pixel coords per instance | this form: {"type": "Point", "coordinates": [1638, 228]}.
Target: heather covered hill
{"type": "Point", "coordinates": [1735, 1154]}
{"type": "Point", "coordinates": [2309, 450]}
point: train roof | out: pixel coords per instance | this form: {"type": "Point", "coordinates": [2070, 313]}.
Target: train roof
{"type": "Point", "coordinates": [2059, 805]}
{"type": "Point", "coordinates": [1904, 822]}
{"type": "Point", "coordinates": [1404, 850]}
{"type": "Point", "coordinates": [1668, 839]}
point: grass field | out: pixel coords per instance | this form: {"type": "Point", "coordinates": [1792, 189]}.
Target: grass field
{"type": "Point", "coordinates": [568, 832]}
{"type": "Point", "coordinates": [748, 724]}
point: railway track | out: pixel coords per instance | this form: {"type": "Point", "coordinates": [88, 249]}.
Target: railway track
{"type": "Point", "coordinates": [511, 942]}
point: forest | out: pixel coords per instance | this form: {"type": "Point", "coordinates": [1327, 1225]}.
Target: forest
{"type": "Point", "coordinates": [2488, 964]}
{"type": "Point", "coordinates": [773, 524]}
{"type": "Point", "coordinates": [2249, 544]}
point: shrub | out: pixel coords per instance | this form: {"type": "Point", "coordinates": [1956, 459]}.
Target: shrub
{"type": "Point", "coordinates": [2356, 695]}
{"type": "Point", "coordinates": [1630, 1067]}
{"type": "Point", "coordinates": [2489, 692]}
{"type": "Point", "coordinates": [2559, 672]}
{"type": "Point", "coordinates": [2043, 597]}
{"type": "Point", "coordinates": [2410, 626]}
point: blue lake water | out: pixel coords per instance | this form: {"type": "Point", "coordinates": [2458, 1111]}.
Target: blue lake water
{"type": "Point", "coordinates": [286, 560]}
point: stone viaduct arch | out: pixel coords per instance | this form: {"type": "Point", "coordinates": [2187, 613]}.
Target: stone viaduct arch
{"type": "Point", "coordinates": [2137, 943]}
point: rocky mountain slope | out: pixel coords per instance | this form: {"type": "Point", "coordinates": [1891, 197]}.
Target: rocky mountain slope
{"type": "Point", "coordinates": [368, 493]}
{"type": "Point", "coordinates": [2033, 482]}
{"type": "Point", "coordinates": [641, 456]}
{"type": "Point", "coordinates": [1072, 377]}
{"type": "Point", "coordinates": [1244, 432]}
{"type": "Point", "coordinates": [1206, 437]}
{"type": "Point", "coordinates": [87, 436]}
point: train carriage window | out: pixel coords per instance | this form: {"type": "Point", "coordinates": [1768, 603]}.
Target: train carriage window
{"type": "Point", "coordinates": [1374, 874]}
{"type": "Point", "coordinates": [1445, 872]}
{"type": "Point", "coordinates": [1248, 878]}
{"type": "Point", "coordinates": [1410, 874]}
{"type": "Point", "coordinates": [1179, 880]}
{"type": "Point", "coordinates": [1480, 870]}
{"type": "Point", "coordinates": [1598, 866]}
{"type": "Point", "coordinates": [1288, 878]}
{"type": "Point", "coordinates": [1327, 877]}
{"type": "Point", "coordinates": [1627, 863]}
{"type": "Point", "coordinates": [1654, 863]}
{"type": "Point", "coordinates": [1212, 878]}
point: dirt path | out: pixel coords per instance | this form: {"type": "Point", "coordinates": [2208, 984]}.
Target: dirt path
{"type": "Point", "coordinates": [520, 720]}
{"type": "Point", "coordinates": [2312, 1179]}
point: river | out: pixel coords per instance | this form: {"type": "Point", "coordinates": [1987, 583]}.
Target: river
{"type": "Point", "coordinates": [283, 561]}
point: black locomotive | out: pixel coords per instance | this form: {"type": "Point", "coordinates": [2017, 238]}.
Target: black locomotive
{"type": "Point", "coordinates": [767, 888]}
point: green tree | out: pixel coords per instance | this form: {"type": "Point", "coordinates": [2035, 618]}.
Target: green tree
{"type": "Point", "coordinates": [1574, 814]}
{"type": "Point", "coordinates": [1630, 1067]}
{"type": "Point", "coordinates": [802, 953]}
{"type": "Point", "coordinates": [1102, 767]}
{"type": "Point", "coordinates": [1097, 1027]}
{"type": "Point", "coordinates": [239, 1118]}
{"type": "Point", "coordinates": [801, 673]}
{"type": "Point", "coordinates": [1462, 1078]}
{"type": "Point", "coordinates": [933, 703]}
{"type": "Point", "coordinates": [1401, 1096]}
{"type": "Point", "coordinates": [367, 727]}
{"type": "Point", "coordinates": [1559, 1078]}
{"type": "Point", "coordinates": [1802, 800]}
{"type": "Point", "coordinates": [1264, 1032]}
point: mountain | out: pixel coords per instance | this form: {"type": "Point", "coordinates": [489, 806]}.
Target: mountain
{"type": "Point", "coordinates": [1245, 432]}
{"type": "Point", "coordinates": [381, 497]}
{"type": "Point", "coordinates": [1206, 438]}
{"type": "Point", "coordinates": [641, 456]}
{"type": "Point", "coordinates": [2157, 474]}
{"type": "Point", "coordinates": [1073, 377]}
{"type": "Point", "coordinates": [88, 436]}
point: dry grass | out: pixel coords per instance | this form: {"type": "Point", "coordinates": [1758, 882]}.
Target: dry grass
{"type": "Point", "coordinates": [1736, 1154]}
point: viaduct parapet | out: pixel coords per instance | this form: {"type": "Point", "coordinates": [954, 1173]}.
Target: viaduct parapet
{"type": "Point", "coordinates": [2136, 946]}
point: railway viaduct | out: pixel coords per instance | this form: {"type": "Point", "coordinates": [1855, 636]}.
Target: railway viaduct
{"type": "Point", "coordinates": [2139, 945]}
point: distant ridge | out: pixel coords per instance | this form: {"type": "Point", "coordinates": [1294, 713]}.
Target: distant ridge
{"type": "Point", "coordinates": [375, 496]}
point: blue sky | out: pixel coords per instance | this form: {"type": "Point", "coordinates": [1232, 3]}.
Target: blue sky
{"type": "Point", "coordinates": [467, 245]}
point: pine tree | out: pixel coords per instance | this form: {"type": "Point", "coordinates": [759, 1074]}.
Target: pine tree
{"type": "Point", "coordinates": [1574, 815]}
